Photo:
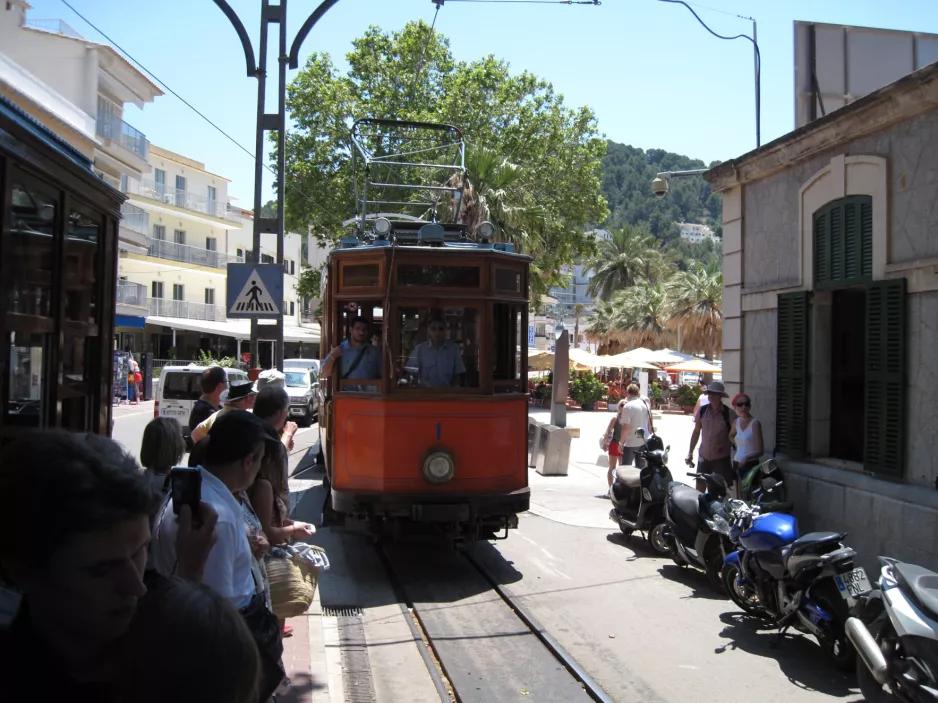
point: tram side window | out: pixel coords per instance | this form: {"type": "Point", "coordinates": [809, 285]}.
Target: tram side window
{"type": "Point", "coordinates": [362, 346]}
{"type": "Point", "coordinates": [438, 347]}
{"type": "Point", "coordinates": [30, 234]}
{"type": "Point", "coordinates": [506, 352]}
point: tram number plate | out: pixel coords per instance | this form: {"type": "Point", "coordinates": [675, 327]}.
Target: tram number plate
{"type": "Point", "coordinates": [852, 583]}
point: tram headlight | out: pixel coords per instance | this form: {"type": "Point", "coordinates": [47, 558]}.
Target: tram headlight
{"type": "Point", "coordinates": [382, 226]}
{"type": "Point", "coordinates": [438, 467]}
{"type": "Point", "coordinates": [485, 230]}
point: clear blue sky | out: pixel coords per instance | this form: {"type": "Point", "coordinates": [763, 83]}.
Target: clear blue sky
{"type": "Point", "coordinates": [655, 78]}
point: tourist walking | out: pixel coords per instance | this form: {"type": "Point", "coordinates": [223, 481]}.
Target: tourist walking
{"type": "Point", "coordinates": [746, 435]}
{"type": "Point", "coordinates": [712, 425]}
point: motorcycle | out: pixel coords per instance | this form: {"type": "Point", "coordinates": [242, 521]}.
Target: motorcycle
{"type": "Point", "coordinates": [691, 530]}
{"type": "Point", "coordinates": [808, 582]}
{"type": "Point", "coordinates": [763, 484]}
{"type": "Point", "coordinates": [895, 631]}
{"type": "Point", "coordinates": [638, 495]}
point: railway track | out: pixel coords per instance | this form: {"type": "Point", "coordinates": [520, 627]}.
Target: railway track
{"type": "Point", "coordinates": [479, 642]}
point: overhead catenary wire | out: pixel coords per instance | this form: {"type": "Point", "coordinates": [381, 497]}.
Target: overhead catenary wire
{"type": "Point", "coordinates": [186, 102]}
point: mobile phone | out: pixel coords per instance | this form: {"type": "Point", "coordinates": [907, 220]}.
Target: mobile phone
{"type": "Point", "coordinates": [186, 486]}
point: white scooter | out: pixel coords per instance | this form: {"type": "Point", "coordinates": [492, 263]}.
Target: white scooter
{"type": "Point", "coordinates": [895, 631]}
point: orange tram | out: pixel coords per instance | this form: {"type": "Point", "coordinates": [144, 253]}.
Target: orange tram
{"type": "Point", "coordinates": [429, 433]}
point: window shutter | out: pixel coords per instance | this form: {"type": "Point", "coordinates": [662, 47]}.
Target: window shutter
{"type": "Point", "coordinates": [791, 390]}
{"type": "Point", "coordinates": [843, 242]}
{"type": "Point", "coordinates": [885, 377]}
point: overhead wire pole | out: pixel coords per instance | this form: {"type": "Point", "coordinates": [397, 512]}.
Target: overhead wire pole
{"type": "Point", "coordinates": [271, 13]}
{"type": "Point", "coordinates": [758, 59]}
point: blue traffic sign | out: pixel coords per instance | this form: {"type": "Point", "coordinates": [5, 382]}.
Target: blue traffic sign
{"type": "Point", "coordinates": [530, 335]}
{"type": "Point", "coordinates": [255, 291]}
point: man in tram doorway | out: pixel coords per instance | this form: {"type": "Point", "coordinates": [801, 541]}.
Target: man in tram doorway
{"type": "Point", "coordinates": [359, 358]}
{"type": "Point", "coordinates": [437, 361]}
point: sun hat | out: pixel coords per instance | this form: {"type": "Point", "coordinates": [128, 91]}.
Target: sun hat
{"type": "Point", "coordinates": [716, 387]}
{"type": "Point", "coordinates": [270, 377]}
{"type": "Point", "coordinates": [237, 391]}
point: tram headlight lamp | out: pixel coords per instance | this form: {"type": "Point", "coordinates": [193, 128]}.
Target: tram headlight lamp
{"type": "Point", "coordinates": [438, 467]}
{"type": "Point", "coordinates": [485, 230]}
{"type": "Point", "coordinates": [382, 226]}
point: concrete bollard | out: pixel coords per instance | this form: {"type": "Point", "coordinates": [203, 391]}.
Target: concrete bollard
{"type": "Point", "coordinates": [536, 447]}
{"type": "Point", "coordinates": [554, 459]}
{"type": "Point", "coordinates": [532, 431]}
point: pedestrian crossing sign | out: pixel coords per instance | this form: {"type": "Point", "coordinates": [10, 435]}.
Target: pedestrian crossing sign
{"type": "Point", "coordinates": [255, 291]}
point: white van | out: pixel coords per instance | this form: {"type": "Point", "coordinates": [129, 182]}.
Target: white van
{"type": "Point", "coordinates": [301, 364]}
{"type": "Point", "coordinates": [179, 389]}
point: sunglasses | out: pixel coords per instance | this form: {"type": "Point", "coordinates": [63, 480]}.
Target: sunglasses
{"type": "Point", "coordinates": [744, 404]}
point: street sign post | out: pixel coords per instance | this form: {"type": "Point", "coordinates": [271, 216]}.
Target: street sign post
{"type": "Point", "coordinates": [255, 291]}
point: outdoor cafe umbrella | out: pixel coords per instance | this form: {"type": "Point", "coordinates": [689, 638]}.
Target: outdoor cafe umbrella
{"type": "Point", "coordinates": [626, 360]}
{"type": "Point", "coordinates": [543, 360]}
{"type": "Point", "coordinates": [695, 366]}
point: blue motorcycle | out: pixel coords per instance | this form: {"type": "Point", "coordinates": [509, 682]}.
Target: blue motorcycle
{"type": "Point", "coordinates": [803, 582]}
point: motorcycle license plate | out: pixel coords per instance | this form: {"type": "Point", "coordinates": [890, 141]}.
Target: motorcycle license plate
{"type": "Point", "coordinates": [853, 583]}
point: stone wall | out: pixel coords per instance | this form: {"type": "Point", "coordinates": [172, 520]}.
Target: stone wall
{"type": "Point", "coordinates": [760, 333]}
{"type": "Point", "coordinates": [921, 456]}
{"type": "Point", "coordinates": [880, 518]}
{"type": "Point", "coordinates": [771, 229]}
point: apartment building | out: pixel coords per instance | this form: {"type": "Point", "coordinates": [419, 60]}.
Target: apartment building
{"type": "Point", "coordinates": [695, 233]}
{"type": "Point", "coordinates": [191, 233]}
{"type": "Point", "coordinates": [78, 89]}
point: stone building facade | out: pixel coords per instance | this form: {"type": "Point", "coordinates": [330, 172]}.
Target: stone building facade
{"type": "Point", "coordinates": [830, 238]}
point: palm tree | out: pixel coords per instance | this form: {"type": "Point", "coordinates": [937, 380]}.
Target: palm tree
{"type": "Point", "coordinates": [605, 326]}
{"type": "Point", "coordinates": [630, 256]}
{"type": "Point", "coordinates": [495, 191]}
{"type": "Point", "coordinates": [646, 318]}
{"type": "Point", "coordinates": [697, 296]}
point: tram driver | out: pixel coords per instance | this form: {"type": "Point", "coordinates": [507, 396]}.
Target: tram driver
{"type": "Point", "coordinates": [437, 362]}
{"type": "Point", "coordinates": [357, 358]}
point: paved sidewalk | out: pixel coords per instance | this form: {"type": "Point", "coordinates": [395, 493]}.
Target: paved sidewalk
{"type": "Point", "coordinates": [579, 498]}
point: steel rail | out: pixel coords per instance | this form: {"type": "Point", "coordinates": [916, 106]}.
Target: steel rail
{"type": "Point", "coordinates": [593, 689]}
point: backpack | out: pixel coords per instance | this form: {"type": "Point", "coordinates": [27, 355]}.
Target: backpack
{"type": "Point", "coordinates": [726, 415]}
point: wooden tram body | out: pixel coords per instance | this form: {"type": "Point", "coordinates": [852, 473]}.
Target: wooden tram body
{"type": "Point", "coordinates": [378, 434]}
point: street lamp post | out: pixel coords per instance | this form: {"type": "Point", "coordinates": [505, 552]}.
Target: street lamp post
{"type": "Point", "coordinates": [271, 121]}
{"type": "Point", "coordinates": [757, 59]}
{"type": "Point", "coordinates": [660, 185]}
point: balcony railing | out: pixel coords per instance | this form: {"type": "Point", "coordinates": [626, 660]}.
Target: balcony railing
{"type": "Point", "coordinates": [135, 218]}
{"type": "Point", "coordinates": [54, 26]}
{"type": "Point", "coordinates": [172, 251]}
{"type": "Point", "coordinates": [185, 310]}
{"type": "Point", "coordinates": [110, 126]}
{"type": "Point", "coordinates": [132, 294]}
{"type": "Point", "coordinates": [182, 198]}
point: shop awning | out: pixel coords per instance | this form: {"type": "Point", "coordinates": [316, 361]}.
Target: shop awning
{"type": "Point", "coordinates": [237, 329]}
{"type": "Point", "coordinates": [129, 321]}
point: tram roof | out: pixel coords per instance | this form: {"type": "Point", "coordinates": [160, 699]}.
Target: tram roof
{"type": "Point", "coordinates": [357, 248]}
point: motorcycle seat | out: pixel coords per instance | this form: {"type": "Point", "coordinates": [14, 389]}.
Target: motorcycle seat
{"type": "Point", "coordinates": [814, 542]}
{"type": "Point", "coordinates": [685, 499]}
{"type": "Point", "coordinates": [629, 476]}
{"type": "Point", "coordinates": [921, 584]}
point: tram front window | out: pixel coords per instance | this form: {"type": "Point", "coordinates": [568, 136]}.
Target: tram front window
{"type": "Point", "coordinates": [438, 348]}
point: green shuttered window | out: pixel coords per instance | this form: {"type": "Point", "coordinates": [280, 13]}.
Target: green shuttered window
{"type": "Point", "coordinates": [885, 376]}
{"type": "Point", "coordinates": [791, 396]}
{"type": "Point", "coordinates": [843, 242]}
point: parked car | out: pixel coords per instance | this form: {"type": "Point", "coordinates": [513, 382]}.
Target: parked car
{"type": "Point", "coordinates": [302, 385]}
{"type": "Point", "coordinates": [179, 389]}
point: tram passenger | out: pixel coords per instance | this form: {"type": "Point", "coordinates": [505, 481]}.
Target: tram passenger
{"type": "Point", "coordinates": [437, 362]}
{"type": "Point", "coordinates": [358, 358]}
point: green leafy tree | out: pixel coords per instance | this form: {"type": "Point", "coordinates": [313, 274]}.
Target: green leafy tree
{"type": "Point", "coordinates": [534, 163]}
